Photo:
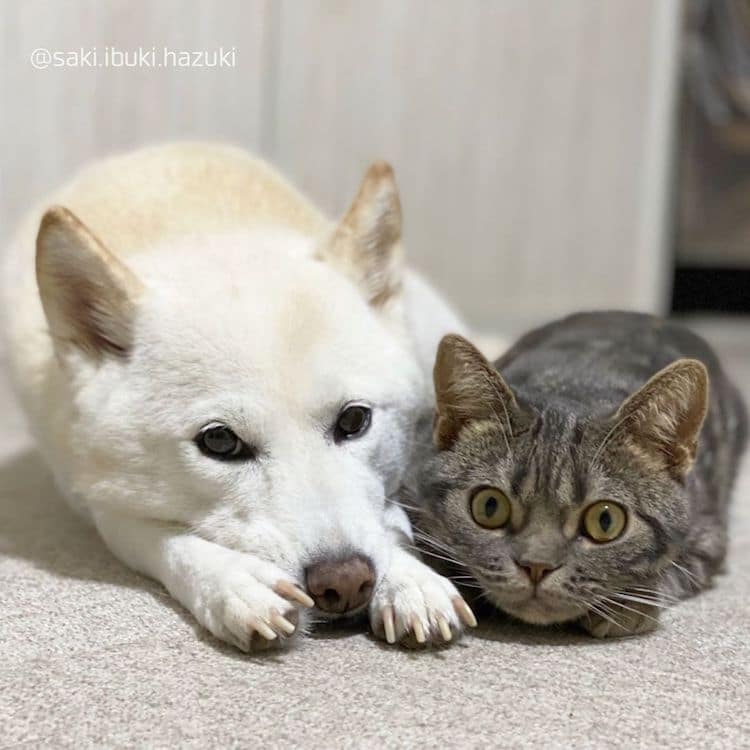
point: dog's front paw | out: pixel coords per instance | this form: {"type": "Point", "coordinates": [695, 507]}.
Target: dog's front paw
{"type": "Point", "coordinates": [636, 620]}
{"type": "Point", "coordinates": [414, 606]}
{"type": "Point", "coordinates": [251, 604]}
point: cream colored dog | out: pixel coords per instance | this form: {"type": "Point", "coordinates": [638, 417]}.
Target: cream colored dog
{"type": "Point", "coordinates": [229, 387]}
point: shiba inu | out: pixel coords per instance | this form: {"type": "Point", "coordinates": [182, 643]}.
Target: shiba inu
{"type": "Point", "coordinates": [229, 386]}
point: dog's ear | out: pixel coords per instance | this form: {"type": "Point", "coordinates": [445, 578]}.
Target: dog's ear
{"type": "Point", "coordinates": [663, 419]}
{"type": "Point", "coordinates": [366, 244]}
{"type": "Point", "coordinates": [469, 389]}
{"type": "Point", "coordinates": [88, 295]}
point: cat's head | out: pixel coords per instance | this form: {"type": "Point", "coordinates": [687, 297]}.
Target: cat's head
{"type": "Point", "coordinates": [554, 515]}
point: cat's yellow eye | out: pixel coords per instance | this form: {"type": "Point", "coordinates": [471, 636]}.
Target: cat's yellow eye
{"type": "Point", "coordinates": [604, 521]}
{"type": "Point", "coordinates": [490, 508]}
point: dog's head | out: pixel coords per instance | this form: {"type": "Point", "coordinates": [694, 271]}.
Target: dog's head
{"type": "Point", "coordinates": [258, 388]}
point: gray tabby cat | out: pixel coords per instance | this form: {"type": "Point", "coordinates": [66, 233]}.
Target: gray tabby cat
{"type": "Point", "coordinates": [590, 481]}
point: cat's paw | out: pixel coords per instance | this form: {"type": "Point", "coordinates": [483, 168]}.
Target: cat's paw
{"type": "Point", "coordinates": [414, 606]}
{"type": "Point", "coordinates": [250, 604]}
{"type": "Point", "coordinates": [638, 619]}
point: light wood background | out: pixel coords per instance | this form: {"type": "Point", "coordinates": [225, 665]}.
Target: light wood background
{"type": "Point", "coordinates": [531, 138]}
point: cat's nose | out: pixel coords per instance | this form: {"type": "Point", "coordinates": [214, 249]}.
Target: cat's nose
{"type": "Point", "coordinates": [536, 571]}
{"type": "Point", "coordinates": [340, 586]}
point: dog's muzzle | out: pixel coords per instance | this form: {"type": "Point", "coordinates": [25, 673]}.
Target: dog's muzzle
{"type": "Point", "coordinates": [341, 586]}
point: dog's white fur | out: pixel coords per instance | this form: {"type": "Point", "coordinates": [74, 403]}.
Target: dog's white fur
{"type": "Point", "coordinates": [215, 291]}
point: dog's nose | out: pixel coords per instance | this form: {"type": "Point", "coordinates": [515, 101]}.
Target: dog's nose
{"type": "Point", "coordinates": [341, 585]}
{"type": "Point", "coordinates": [536, 571]}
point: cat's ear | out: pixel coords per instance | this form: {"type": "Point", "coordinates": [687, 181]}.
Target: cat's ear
{"type": "Point", "coordinates": [468, 389]}
{"type": "Point", "coordinates": [366, 244]}
{"type": "Point", "coordinates": [663, 419]}
{"type": "Point", "coordinates": [88, 295]}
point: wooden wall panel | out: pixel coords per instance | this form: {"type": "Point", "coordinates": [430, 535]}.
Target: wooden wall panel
{"type": "Point", "coordinates": [530, 138]}
{"type": "Point", "coordinates": [53, 120]}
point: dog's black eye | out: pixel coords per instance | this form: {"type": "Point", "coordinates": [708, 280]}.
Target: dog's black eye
{"type": "Point", "coordinates": [352, 422]}
{"type": "Point", "coordinates": [218, 441]}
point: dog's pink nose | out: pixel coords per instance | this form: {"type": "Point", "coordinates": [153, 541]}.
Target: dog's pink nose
{"type": "Point", "coordinates": [340, 586]}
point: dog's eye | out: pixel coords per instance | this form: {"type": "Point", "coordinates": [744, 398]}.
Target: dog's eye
{"type": "Point", "coordinates": [353, 421]}
{"type": "Point", "coordinates": [604, 521]}
{"type": "Point", "coordinates": [216, 440]}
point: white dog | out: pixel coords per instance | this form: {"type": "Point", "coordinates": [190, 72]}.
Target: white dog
{"type": "Point", "coordinates": [229, 386]}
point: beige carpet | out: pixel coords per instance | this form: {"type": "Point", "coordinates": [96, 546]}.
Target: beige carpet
{"type": "Point", "coordinates": [93, 655]}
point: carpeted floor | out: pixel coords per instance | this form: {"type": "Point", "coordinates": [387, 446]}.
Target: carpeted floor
{"type": "Point", "coordinates": [93, 655]}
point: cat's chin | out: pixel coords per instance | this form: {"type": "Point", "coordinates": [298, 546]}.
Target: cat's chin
{"type": "Point", "coordinates": [538, 612]}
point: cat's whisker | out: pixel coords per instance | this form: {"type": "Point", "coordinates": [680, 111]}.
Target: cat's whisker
{"type": "Point", "coordinates": [606, 607]}
{"type": "Point", "coordinates": [673, 587]}
{"type": "Point", "coordinates": [661, 595]}
{"type": "Point", "coordinates": [635, 611]}
{"type": "Point", "coordinates": [435, 554]}
{"type": "Point", "coordinates": [469, 584]}
{"type": "Point", "coordinates": [597, 609]}
{"type": "Point", "coordinates": [407, 506]}
{"type": "Point", "coordinates": [434, 544]}
{"type": "Point", "coordinates": [598, 606]}
{"type": "Point", "coordinates": [691, 577]}
{"type": "Point", "coordinates": [432, 541]}
{"type": "Point", "coordinates": [642, 600]}
{"type": "Point", "coordinates": [427, 535]}
{"type": "Point", "coordinates": [653, 592]}
{"type": "Point", "coordinates": [605, 614]}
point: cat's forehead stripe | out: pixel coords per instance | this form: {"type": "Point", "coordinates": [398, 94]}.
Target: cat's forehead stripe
{"type": "Point", "coordinates": [549, 467]}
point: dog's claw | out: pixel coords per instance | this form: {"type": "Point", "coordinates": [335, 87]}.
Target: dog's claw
{"type": "Point", "coordinates": [416, 626]}
{"type": "Point", "coordinates": [262, 628]}
{"type": "Point", "coordinates": [444, 627]}
{"type": "Point", "coordinates": [389, 624]}
{"type": "Point", "coordinates": [464, 612]}
{"type": "Point", "coordinates": [290, 591]}
{"type": "Point", "coordinates": [414, 606]}
{"type": "Point", "coordinates": [281, 622]}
